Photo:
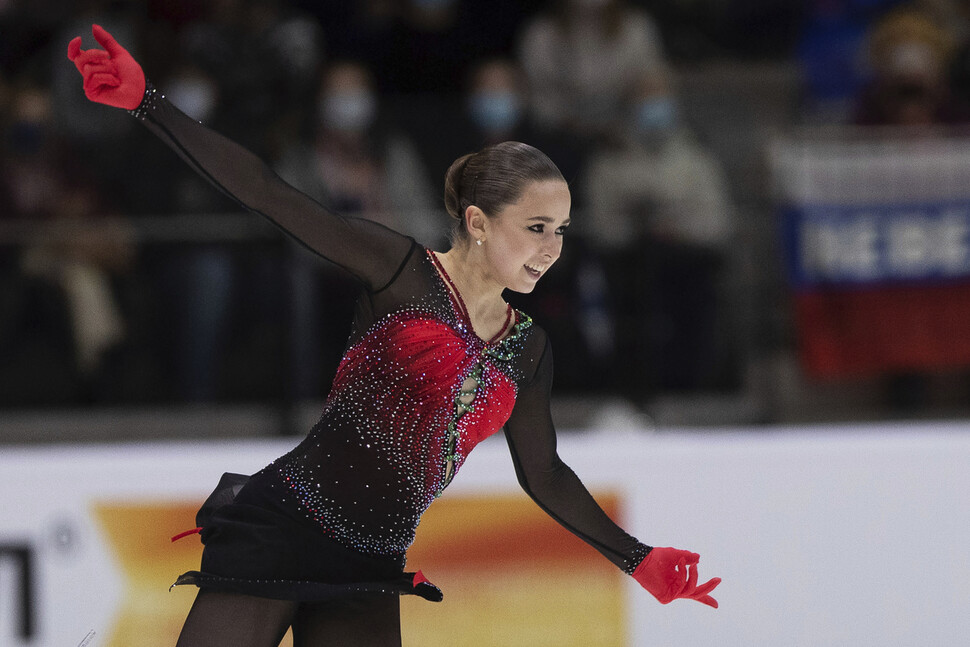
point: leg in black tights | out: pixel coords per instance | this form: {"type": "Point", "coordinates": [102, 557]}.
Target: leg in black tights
{"type": "Point", "coordinates": [220, 619]}
{"type": "Point", "coordinates": [371, 621]}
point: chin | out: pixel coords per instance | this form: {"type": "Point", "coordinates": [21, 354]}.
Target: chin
{"type": "Point", "coordinates": [523, 289]}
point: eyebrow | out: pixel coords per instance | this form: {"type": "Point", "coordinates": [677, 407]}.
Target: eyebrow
{"type": "Point", "coordinates": [547, 220]}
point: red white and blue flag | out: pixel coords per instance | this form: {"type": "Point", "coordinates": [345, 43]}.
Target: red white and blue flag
{"type": "Point", "coordinates": [876, 240]}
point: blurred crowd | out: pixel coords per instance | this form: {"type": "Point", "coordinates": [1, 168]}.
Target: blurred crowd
{"type": "Point", "coordinates": [363, 105]}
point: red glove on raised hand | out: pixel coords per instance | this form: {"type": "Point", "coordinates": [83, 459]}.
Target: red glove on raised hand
{"type": "Point", "coordinates": [669, 573]}
{"type": "Point", "coordinates": [111, 75]}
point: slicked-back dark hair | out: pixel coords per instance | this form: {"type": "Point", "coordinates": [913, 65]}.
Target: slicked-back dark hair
{"type": "Point", "coordinates": [492, 179]}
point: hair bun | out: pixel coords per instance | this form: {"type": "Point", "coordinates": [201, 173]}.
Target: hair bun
{"type": "Point", "coordinates": [453, 182]}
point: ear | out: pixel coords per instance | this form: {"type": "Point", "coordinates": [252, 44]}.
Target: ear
{"type": "Point", "coordinates": [475, 222]}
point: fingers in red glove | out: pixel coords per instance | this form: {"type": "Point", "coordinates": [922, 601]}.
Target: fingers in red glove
{"type": "Point", "coordinates": [108, 42]}
{"type": "Point", "coordinates": [99, 83]}
{"type": "Point", "coordinates": [691, 577]}
{"type": "Point", "coordinates": [701, 593]}
{"type": "Point", "coordinates": [74, 48]}
{"type": "Point", "coordinates": [669, 573]}
{"type": "Point", "coordinates": [83, 60]}
{"type": "Point", "coordinates": [111, 76]}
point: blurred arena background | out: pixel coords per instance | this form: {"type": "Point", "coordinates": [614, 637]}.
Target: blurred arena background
{"type": "Point", "coordinates": [768, 276]}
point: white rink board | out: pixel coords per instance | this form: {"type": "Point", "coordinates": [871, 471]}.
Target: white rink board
{"type": "Point", "coordinates": [823, 536]}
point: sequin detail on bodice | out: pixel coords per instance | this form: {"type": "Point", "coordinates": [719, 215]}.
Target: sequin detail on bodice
{"type": "Point", "coordinates": [380, 452]}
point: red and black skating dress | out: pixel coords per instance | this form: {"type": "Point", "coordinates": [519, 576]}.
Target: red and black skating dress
{"type": "Point", "coordinates": [416, 390]}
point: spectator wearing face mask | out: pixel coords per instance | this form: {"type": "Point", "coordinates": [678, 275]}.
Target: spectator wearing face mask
{"type": "Point", "coordinates": [495, 108]}
{"type": "Point", "coordinates": [353, 160]}
{"type": "Point", "coordinates": [495, 102]}
{"type": "Point", "coordinates": [195, 281]}
{"type": "Point", "coordinates": [357, 161]}
{"type": "Point", "coordinates": [657, 179]}
{"type": "Point", "coordinates": [581, 56]}
{"type": "Point", "coordinates": [264, 55]}
{"type": "Point", "coordinates": [659, 211]}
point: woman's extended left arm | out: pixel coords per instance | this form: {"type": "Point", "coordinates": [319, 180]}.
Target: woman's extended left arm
{"type": "Point", "coordinates": [371, 252]}
{"type": "Point", "coordinates": [667, 573]}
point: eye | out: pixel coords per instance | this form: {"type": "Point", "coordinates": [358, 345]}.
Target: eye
{"type": "Point", "coordinates": [562, 230]}
{"type": "Point", "coordinates": [538, 228]}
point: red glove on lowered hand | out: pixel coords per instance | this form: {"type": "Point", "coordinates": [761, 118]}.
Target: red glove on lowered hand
{"type": "Point", "coordinates": [111, 75]}
{"type": "Point", "coordinates": [669, 573]}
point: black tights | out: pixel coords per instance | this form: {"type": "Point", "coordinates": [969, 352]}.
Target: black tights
{"type": "Point", "coordinates": [230, 619]}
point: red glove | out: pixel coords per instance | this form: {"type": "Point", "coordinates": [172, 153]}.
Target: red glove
{"type": "Point", "coordinates": [669, 573]}
{"type": "Point", "coordinates": [111, 75]}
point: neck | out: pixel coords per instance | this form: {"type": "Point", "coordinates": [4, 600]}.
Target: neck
{"type": "Point", "coordinates": [467, 268]}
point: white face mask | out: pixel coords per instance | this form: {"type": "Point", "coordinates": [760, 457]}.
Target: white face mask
{"type": "Point", "coordinates": [194, 96]}
{"type": "Point", "coordinates": [348, 111]}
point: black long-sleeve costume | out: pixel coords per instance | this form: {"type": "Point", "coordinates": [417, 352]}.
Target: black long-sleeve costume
{"type": "Point", "coordinates": [394, 430]}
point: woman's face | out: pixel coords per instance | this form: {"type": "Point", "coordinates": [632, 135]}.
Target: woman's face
{"type": "Point", "coordinates": [524, 239]}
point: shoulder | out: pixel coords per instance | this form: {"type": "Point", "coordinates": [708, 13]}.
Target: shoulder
{"type": "Point", "coordinates": [411, 256]}
{"type": "Point", "coordinates": [536, 348]}
{"type": "Point", "coordinates": [526, 327]}
{"type": "Point", "coordinates": [536, 331]}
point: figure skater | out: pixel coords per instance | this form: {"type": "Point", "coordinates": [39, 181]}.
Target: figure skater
{"type": "Point", "coordinates": [436, 362]}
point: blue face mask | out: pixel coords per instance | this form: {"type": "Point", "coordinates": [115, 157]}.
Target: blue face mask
{"type": "Point", "coordinates": [655, 116]}
{"type": "Point", "coordinates": [495, 110]}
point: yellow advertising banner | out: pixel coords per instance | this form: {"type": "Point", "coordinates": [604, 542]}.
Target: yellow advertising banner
{"type": "Point", "coordinates": [511, 576]}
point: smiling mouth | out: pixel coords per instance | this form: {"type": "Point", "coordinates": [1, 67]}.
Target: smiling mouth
{"type": "Point", "coordinates": [533, 271]}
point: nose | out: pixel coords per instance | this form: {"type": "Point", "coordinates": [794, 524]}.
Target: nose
{"type": "Point", "coordinates": [552, 246]}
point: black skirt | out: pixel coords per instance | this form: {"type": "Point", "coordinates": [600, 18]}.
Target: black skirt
{"type": "Point", "coordinates": [255, 547]}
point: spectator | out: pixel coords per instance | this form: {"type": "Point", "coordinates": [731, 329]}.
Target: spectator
{"type": "Point", "coordinates": [32, 156]}
{"type": "Point", "coordinates": [358, 162]}
{"type": "Point", "coordinates": [495, 108]}
{"type": "Point", "coordinates": [72, 270]}
{"type": "Point", "coordinates": [362, 166]}
{"type": "Point", "coordinates": [581, 57]}
{"type": "Point", "coordinates": [263, 59]}
{"type": "Point", "coordinates": [195, 280]}
{"type": "Point", "coordinates": [830, 53]}
{"type": "Point", "coordinates": [496, 103]}
{"type": "Point", "coordinates": [255, 101]}
{"type": "Point", "coordinates": [36, 344]}
{"type": "Point", "coordinates": [909, 56]}
{"type": "Point", "coordinates": [659, 210]}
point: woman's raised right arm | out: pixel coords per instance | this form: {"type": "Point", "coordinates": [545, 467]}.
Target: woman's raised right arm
{"type": "Point", "coordinates": [367, 250]}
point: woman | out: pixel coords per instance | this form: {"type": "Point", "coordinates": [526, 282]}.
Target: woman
{"type": "Point", "coordinates": [436, 362]}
